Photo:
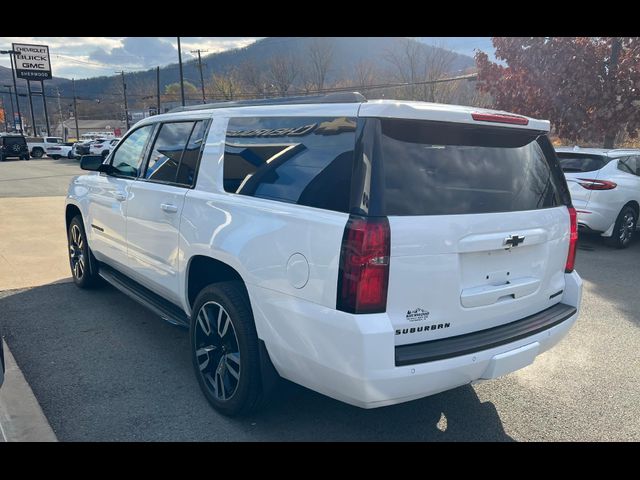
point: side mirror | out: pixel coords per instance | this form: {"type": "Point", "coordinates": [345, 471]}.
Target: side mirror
{"type": "Point", "coordinates": [93, 163]}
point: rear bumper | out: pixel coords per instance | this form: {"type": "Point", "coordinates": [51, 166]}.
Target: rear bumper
{"type": "Point", "coordinates": [352, 358]}
{"type": "Point", "coordinates": [595, 220]}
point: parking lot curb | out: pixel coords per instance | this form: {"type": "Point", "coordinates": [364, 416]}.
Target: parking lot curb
{"type": "Point", "coordinates": [21, 418]}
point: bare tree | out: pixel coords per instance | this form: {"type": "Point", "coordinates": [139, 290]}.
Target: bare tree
{"type": "Point", "coordinates": [319, 58]}
{"type": "Point", "coordinates": [364, 74]}
{"type": "Point", "coordinates": [417, 65]}
{"type": "Point", "coordinates": [225, 86]}
{"type": "Point", "coordinates": [282, 72]}
{"type": "Point", "coordinates": [439, 61]}
{"type": "Point", "coordinates": [253, 77]}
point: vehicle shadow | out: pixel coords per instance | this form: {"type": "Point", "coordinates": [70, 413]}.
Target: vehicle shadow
{"type": "Point", "coordinates": [104, 368]}
{"type": "Point", "coordinates": [613, 273]}
{"type": "Point", "coordinates": [455, 415]}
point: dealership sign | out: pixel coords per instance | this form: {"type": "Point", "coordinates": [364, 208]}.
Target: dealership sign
{"type": "Point", "coordinates": [32, 61]}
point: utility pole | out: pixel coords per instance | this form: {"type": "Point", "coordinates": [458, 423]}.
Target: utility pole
{"type": "Point", "coordinates": [33, 118]}
{"type": "Point", "coordinates": [13, 112]}
{"type": "Point", "coordinates": [75, 108]}
{"type": "Point", "coordinates": [62, 127]}
{"type": "Point", "coordinates": [44, 104]}
{"type": "Point", "coordinates": [204, 100]}
{"type": "Point", "coordinates": [124, 90]}
{"type": "Point", "coordinates": [181, 75]}
{"type": "Point", "coordinates": [158, 90]}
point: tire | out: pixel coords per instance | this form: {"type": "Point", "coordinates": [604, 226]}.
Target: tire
{"type": "Point", "coordinates": [84, 267]}
{"type": "Point", "coordinates": [24, 157]}
{"type": "Point", "coordinates": [37, 153]}
{"type": "Point", "coordinates": [55, 157]}
{"type": "Point", "coordinates": [624, 229]}
{"type": "Point", "coordinates": [70, 155]}
{"type": "Point", "coordinates": [227, 366]}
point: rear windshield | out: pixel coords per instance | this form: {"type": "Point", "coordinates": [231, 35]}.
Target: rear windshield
{"type": "Point", "coordinates": [579, 162]}
{"type": "Point", "coordinates": [14, 140]}
{"type": "Point", "coordinates": [432, 168]}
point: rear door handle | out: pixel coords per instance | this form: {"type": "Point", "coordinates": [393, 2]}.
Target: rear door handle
{"type": "Point", "coordinates": [120, 196]}
{"type": "Point", "coordinates": [169, 208]}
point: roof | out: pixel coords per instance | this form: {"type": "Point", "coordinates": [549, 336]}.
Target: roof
{"type": "Point", "coordinates": [609, 152]}
{"type": "Point", "coordinates": [352, 104]}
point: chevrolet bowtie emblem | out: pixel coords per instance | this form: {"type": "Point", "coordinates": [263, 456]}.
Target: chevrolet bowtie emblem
{"type": "Point", "coordinates": [513, 241]}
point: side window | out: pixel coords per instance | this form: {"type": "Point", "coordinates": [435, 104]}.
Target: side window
{"type": "Point", "coordinates": [628, 165]}
{"type": "Point", "coordinates": [635, 165]}
{"type": "Point", "coordinates": [127, 159]}
{"type": "Point", "coordinates": [302, 160]}
{"type": "Point", "coordinates": [189, 164]}
{"type": "Point", "coordinates": [167, 152]}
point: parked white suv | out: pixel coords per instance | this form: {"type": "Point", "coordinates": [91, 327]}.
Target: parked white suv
{"type": "Point", "coordinates": [605, 190]}
{"type": "Point", "coordinates": [102, 146]}
{"type": "Point", "coordinates": [376, 252]}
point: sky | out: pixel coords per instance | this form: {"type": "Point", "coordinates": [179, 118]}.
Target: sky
{"type": "Point", "coordinates": [84, 57]}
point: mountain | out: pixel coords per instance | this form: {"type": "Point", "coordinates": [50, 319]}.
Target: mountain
{"type": "Point", "coordinates": [347, 52]}
{"type": "Point", "coordinates": [463, 45]}
{"type": "Point", "coordinates": [105, 92]}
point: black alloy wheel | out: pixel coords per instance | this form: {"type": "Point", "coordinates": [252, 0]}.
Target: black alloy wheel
{"type": "Point", "coordinates": [217, 351]}
{"type": "Point", "coordinates": [84, 268]}
{"type": "Point", "coordinates": [225, 350]}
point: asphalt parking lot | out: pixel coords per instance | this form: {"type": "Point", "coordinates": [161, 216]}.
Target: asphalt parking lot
{"type": "Point", "coordinates": [104, 368]}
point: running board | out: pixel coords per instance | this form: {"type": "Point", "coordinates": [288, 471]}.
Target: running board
{"type": "Point", "coordinates": [165, 309]}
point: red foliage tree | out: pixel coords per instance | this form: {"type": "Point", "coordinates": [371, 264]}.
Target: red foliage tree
{"type": "Point", "coordinates": [588, 87]}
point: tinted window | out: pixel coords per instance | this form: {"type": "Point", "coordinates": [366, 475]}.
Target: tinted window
{"type": "Point", "coordinates": [189, 164]}
{"type": "Point", "coordinates": [434, 168]}
{"type": "Point", "coordinates": [629, 165]}
{"type": "Point", "coordinates": [167, 151]}
{"type": "Point", "coordinates": [300, 160]}
{"type": "Point", "coordinates": [128, 157]}
{"type": "Point", "coordinates": [577, 162]}
{"type": "Point", "coordinates": [14, 141]}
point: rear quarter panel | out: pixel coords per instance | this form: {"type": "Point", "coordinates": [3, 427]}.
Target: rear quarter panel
{"type": "Point", "coordinates": [258, 237]}
{"type": "Point", "coordinates": [609, 203]}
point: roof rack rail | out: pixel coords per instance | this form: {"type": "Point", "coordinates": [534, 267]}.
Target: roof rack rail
{"type": "Point", "coordinates": [337, 97]}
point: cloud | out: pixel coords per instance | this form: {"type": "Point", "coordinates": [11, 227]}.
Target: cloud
{"type": "Point", "coordinates": [83, 57]}
{"type": "Point", "coordinates": [137, 52]}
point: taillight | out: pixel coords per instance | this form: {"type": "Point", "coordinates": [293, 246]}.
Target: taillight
{"type": "Point", "coordinates": [592, 184]}
{"type": "Point", "coordinates": [364, 265]}
{"type": "Point", "coordinates": [573, 241]}
{"type": "Point", "coordinates": [500, 118]}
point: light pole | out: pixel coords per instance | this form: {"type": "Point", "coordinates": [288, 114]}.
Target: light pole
{"type": "Point", "coordinates": [11, 53]}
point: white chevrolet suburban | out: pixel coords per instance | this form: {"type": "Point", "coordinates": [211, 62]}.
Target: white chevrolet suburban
{"type": "Point", "coordinates": [373, 251]}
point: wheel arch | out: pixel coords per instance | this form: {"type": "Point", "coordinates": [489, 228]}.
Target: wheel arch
{"type": "Point", "coordinates": [633, 204]}
{"type": "Point", "coordinates": [71, 210]}
{"type": "Point", "coordinates": [203, 270]}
